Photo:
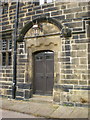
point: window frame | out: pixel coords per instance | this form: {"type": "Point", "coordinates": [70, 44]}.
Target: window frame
{"type": "Point", "coordinates": [45, 1]}
{"type": "Point", "coordinates": [5, 8]}
{"type": "Point", "coordinates": [7, 51]}
{"type": "Point", "coordinates": [3, 59]}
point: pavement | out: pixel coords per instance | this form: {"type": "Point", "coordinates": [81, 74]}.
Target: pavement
{"type": "Point", "coordinates": [12, 114]}
{"type": "Point", "coordinates": [44, 108]}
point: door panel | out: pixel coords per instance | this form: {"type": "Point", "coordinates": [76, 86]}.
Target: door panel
{"type": "Point", "coordinates": [39, 85]}
{"type": "Point", "coordinates": [49, 66]}
{"type": "Point", "coordinates": [39, 73]}
{"type": "Point", "coordinates": [44, 72]}
{"type": "Point", "coordinates": [49, 73]}
{"type": "Point", "coordinates": [49, 85]}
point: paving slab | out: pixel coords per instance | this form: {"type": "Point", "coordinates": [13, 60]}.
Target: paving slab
{"type": "Point", "coordinates": [20, 106]}
{"type": "Point", "coordinates": [61, 112]}
{"type": "Point", "coordinates": [70, 112]}
{"type": "Point", "coordinates": [45, 109]}
{"type": "Point", "coordinates": [80, 112]}
{"type": "Point", "coordinates": [11, 114]}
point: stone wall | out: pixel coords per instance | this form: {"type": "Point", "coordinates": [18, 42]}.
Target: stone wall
{"type": "Point", "coordinates": [73, 58]}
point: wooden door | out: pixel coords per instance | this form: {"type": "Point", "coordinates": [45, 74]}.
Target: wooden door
{"type": "Point", "coordinates": [44, 72]}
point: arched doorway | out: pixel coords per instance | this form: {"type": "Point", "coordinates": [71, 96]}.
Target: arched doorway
{"type": "Point", "coordinates": [49, 38]}
{"type": "Point", "coordinates": [43, 72]}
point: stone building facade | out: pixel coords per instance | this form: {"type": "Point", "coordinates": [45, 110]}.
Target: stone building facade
{"type": "Point", "coordinates": [56, 35]}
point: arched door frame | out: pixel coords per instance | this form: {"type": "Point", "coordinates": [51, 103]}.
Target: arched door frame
{"type": "Point", "coordinates": [54, 47]}
{"type": "Point", "coordinates": [66, 32]}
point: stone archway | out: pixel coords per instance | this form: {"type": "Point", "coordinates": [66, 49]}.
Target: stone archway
{"type": "Point", "coordinates": [38, 20]}
{"type": "Point", "coordinates": [66, 32]}
{"type": "Point", "coordinates": [43, 43]}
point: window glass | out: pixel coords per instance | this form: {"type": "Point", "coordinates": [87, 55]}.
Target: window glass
{"type": "Point", "coordinates": [3, 59]}
{"type": "Point", "coordinates": [4, 45]}
{"type": "Point", "coordinates": [21, 46]}
{"type": "Point", "coordinates": [38, 57]}
{"type": "Point", "coordinates": [45, 1]}
{"type": "Point", "coordinates": [6, 53]}
{"type": "Point", "coordinates": [36, 3]}
{"type": "Point", "coordinates": [10, 44]}
{"type": "Point", "coordinates": [9, 58]}
{"type": "Point", "coordinates": [48, 57]}
{"type": "Point", "coordinates": [5, 8]}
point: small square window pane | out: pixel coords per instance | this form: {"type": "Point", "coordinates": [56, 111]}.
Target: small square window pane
{"type": "Point", "coordinates": [4, 45]}
{"type": "Point", "coordinates": [48, 57]}
{"type": "Point", "coordinates": [10, 44]}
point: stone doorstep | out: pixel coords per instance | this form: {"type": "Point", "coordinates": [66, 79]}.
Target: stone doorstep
{"type": "Point", "coordinates": [42, 98]}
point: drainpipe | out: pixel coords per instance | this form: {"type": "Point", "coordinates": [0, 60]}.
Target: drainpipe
{"type": "Point", "coordinates": [15, 52]}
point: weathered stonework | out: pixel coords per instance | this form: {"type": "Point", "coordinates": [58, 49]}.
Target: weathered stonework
{"type": "Point", "coordinates": [66, 31]}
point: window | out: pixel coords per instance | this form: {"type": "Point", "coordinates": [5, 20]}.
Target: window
{"type": "Point", "coordinates": [6, 52]}
{"type": "Point", "coordinates": [4, 42]}
{"type": "Point", "coordinates": [3, 59]}
{"type": "Point", "coordinates": [48, 57]}
{"type": "Point", "coordinates": [37, 2]}
{"type": "Point", "coordinates": [10, 45]}
{"type": "Point", "coordinates": [38, 57]}
{"type": "Point", "coordinates": [5, 8]}
{"type": "Point", "coordinates": [45, 1]}
{"type": "Point", "coordinates": [9, 58]}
